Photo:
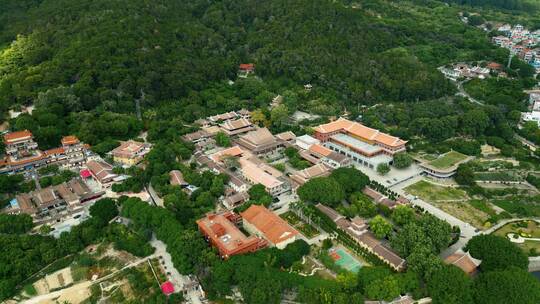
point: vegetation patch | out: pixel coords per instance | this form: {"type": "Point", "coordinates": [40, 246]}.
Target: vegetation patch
{"type": "Point", "coordinates": [306, 229]}
{"type": "Point", "coordinates": [528, 229]}
{"type": "Point", "coordinates": [448, 160]}
{"type": "Point", "coordinates": [432, 193]}
{"type": "Point", "coordinates": [465, 212]}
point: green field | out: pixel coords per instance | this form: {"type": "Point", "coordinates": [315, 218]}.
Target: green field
{"type": "Point", "coordinates": [448, 160]}
{"type": "Point", "coordinates": [432, 193]}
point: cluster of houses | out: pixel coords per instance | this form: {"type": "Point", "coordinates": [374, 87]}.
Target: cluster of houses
{"type": "Point", "coordinates": [521, 42]}
{"type": "Point", "coordinates": [534, 103]}
{"type": "Point", "coordinates": [23, 153]}
{"type": "Point", "coordinates": [464, 70]}
{"type": "Point", "coordinates": [68, 199]}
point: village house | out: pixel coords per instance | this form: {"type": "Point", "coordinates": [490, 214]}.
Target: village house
{"type": "Point", "coordinates": [53, 203]}
{"type": "Point", "coordinates": [245, 69]}
{"type": "Point", "coordinates": [76, 152]}
{"type": "Point", "coordinates": [176, 178]}
{"type": "Point", "coordinates": [22, 153]}
{"type": "Point", "coordinates": [101, 172]}
{"type": "Point", "coordinates": [363, 145]}
{"type": "Point", "coordinates": [222, 231]}
{"type": "Point", "coordinates": [302, 176]}
{"type": "Point", "coordinates": [464, 261]}
{"type": "Point", "coordinates": [130, 152]}
{"type": "Point", "coordinates": [260, 221]}
{"type": "Point", "coordinates": [256, 172]}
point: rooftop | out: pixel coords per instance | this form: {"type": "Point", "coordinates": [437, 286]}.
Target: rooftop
{"type": "Point", "coordinates": [274, 228]}
{"type": "Point", "coordinates": [13, 137]}
{"type": "Point", "coordinates": [129, 149]}
{"type": "Point", "coordinates": [356, 143]}
{"type": "Point", "coordinates": [359, 130]}
{"type": "Point", "coordinates": [69, 140]}
{"type": "Point", "coordinates": [258, 175]}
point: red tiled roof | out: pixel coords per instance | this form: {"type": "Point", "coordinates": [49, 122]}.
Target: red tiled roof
{"type": "Point", "coordinates": [274, 228]}
{"type": "Point", "coordinates": [69, 140]}
{"type": "Point", "coordinates": [54, 151]}
{"type": "Point", "coordinates": [18, 135]}
{"type": "Point", "coordinates": [247, 66]}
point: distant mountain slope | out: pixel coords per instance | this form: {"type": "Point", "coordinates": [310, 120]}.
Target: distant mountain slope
{"type": "Point", "coordinates": [112, 51]}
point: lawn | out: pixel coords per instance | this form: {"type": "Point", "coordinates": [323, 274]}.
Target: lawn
{"type": "Point", "coordinates": [482, 206]}
{"type": "Point", "coordinates": [306, 229]}
{"type": "Point", "coordinates": [448, 160]}
{"type": "Point", "coordinates": [432, 193]}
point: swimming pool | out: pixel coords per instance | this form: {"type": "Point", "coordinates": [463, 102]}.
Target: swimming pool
{"type": "Point", "coordinates": [344, 260]}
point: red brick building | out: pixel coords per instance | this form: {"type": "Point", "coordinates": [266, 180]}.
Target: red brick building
{"type": "Point", "coordinates": [222, 232]}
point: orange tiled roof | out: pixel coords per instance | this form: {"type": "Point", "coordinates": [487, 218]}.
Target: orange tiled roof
{"type": "Point", "coordinates": [360, 130]}
{"type": "Point", "coordinates": [18, 135]}
{"type": "Point", "coordinates": [54, 151]}
{"type": "Point", "coordinates": [274, 228]}
{"type": "Point", "coordinates": [70, 140]}
{"type": "Point", "coordinates": [316, 148]}
{"type": "Point", "coordinates": [232, 151]}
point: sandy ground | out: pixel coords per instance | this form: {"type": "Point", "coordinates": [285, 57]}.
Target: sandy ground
{"type": "Point", "coordinates": [74, 294]}
{"type": "Point", "coordinates": [54, 280]}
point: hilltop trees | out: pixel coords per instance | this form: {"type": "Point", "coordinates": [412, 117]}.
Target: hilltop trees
{"type": "Point", "coordinates": [506, 286]}
{"type": "Point", "coordinates": [496, 253]}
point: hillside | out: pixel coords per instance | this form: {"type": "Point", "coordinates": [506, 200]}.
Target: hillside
{"type": "Point", "coordinates": [109, 52]}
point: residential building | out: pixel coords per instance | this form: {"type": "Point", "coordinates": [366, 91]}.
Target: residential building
{"type": "Point", "coordinates": [302, 176]}
{"type": "Point", "coordinates": [221, 230]}
{"type": "Point", "coordinates": [287, 137]}
{"type": "Point", "coordinates": [319, 154]}
{"type": "Point", "coordinates": [264, 223]}
{"type": "Point", "coordinates": [533, 116]}
{"type": "Point", "coordinates": [306, 141]}
{"type": "Point", "coordinates": [196, 136]}
{"type": "Point", "coordinates": [176, 178]}
{"type": "Point", "coordinates": [379, 198]}
{"type": "Point", "coordinates": [260, 173]}
{"type": "Point", "coordinates": [101, 172]}
{"type": "Point", "coordinates": [260, 142]}
{"type": "Point", "coordinates": [130, 152]}
{"type": "Point", "coordinates": [357, 230]}
{"type": "Point", "coordinates": [245, 69]}
{"type": "Point", "coordinates": [76, 152]}
{"type": "Point", "coordinates": [363, 145]}
{"type": "Point", "coordinates": [464, 261]}
{"type": "Point", "coordinates": [53, 203]}
{"type": "Point", "coordinates": [235, 127]}
{"type": "Point", "coordinates": [236, 199]}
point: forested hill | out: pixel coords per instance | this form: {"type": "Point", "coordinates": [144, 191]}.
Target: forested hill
{"type": "Point", "coordinates": [108, 52]}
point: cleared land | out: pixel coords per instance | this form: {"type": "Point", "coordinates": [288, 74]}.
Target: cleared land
{"type": "Point", "coordinates": [448, 160]}
{"type": "Point", "coordinates": [434, 193]}
{"type": "Point", "coordinates": [465, 212]}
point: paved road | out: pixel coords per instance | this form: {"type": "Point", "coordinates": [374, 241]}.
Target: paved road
{"type": "Point", "coordinates": [179, 281]}
{"type": "Point", "coordinates": [463, 93]}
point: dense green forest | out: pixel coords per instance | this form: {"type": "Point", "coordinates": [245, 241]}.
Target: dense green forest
{"type": "Point", "coordinates": [109, 53]}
